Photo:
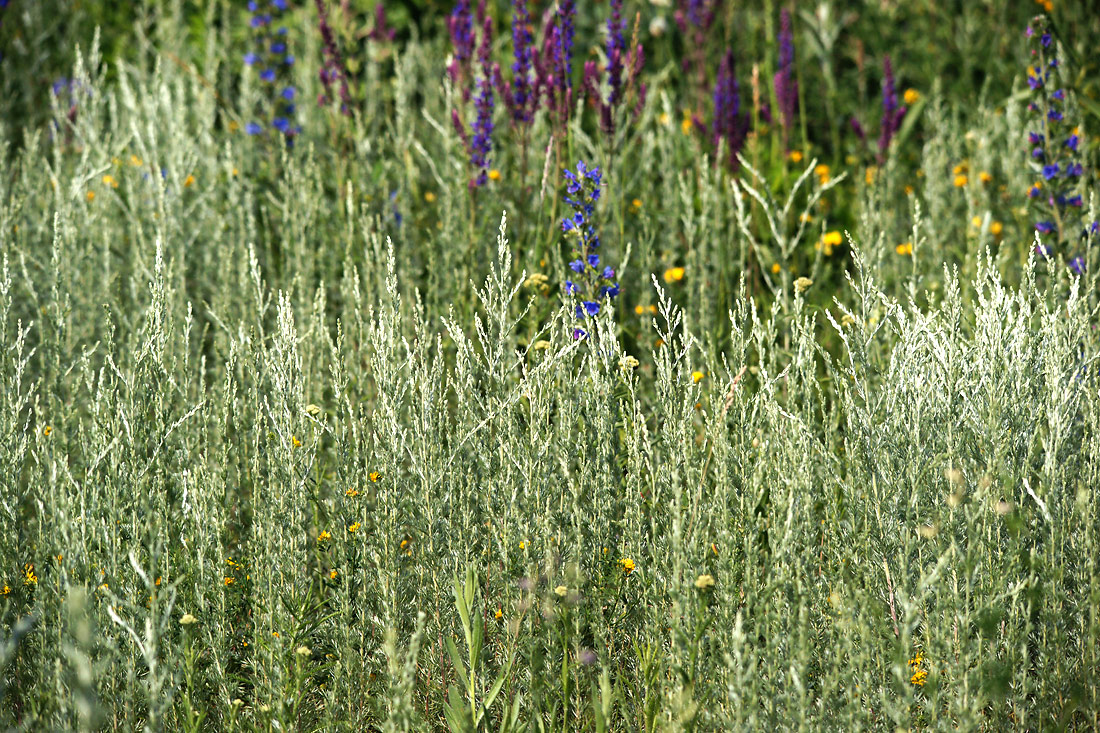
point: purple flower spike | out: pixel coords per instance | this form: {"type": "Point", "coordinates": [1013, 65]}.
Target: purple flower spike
{"type": "Point", "coordinates": [892, 114]}
{"type": "Point", "coordinates": [786, 86]}
{"type": "Point", "coordinates": [730, 124]}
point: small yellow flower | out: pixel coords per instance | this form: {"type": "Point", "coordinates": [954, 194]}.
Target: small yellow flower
{"type": "Point", "coordinates": [561, 591]}
{"type": "Point", "coordinates": [351, 492]}
{"type": "Point", "coordinates": [353, 527]}
{"type": "Point", "coordinates": [822, 173]}
{"type": "Point", "coordinates": [802, 284]}
{"type": "Point", "coordinates": [135, 161]}
{"type": "Point", "coordinates": [29, 578]}
{"type": "Point", "coordinates": [275, 634]}
{"type": "Point", "coordinates": [187, 619]}
{"type": "Point", "coordinates": [628, 363]}
{"type": "Point", "coordinates": [324, 536]}
{"type": "Point", "coordinates": [663, 119]}
{"type": "Point", "coordinates": [636, 205]}
{"type": "Point", "coordinates": [697, 377]}
{"type": "Point", "coordinates": [189, 181]}
{"type": "Point", "coordinates": [996, 228]}
{"type": "Point", "coordinates": [374, 476]}
{"type": "Point", "coordinates": [806, 218]}
{"type": "Point", "coordinates": [960, 168]}
{"type": "Point", "coordinates": [776, 268]}
{"type": "Point", "coordinates": [234, 172]}
{"type": "Point", "coordinates": [909, 190]}
{"type": "Point", "coordinates": [911, 96]}
{"type": "Point", "coordinates": [59, 557]}
{"type": "Point", "coordinates": [905, 248]}
{"type": "Point", "coordinates": [494, 175]}
{"type": "Point", "coordinates": [90, 196]}
{"type": "Point", "coordinates": [332, 575]}
{"type": "Point", "coordinates": [110, 181]}
{"type": "Point", "coordinates": [627, 565]}
{"type": "Point", "coordinates": [295, 442]}
{"type": "Point", "coordinates": [674, 274]}
{"type": "Point", "coordinates": [522, 545]}
{"type": "Point", "coordinates": [234, 125]}
{"type": "Point", "coordinates": [985, 177]}
{"type": "Point", "coordinates": [833, 238]}
{"type": "Point", "coordinates": [976, 222]}
{"type": "Point", "coordinates": [686, 124]}
{"type": "Point", "coordinates": [795, 156]}
{"type": "Point", "coordinates": [919, 675]}
{"type": "Point", "coordinates": [47, 430]}
{"type": "Point", "coordinates": [704, 581]}
{"type": "Point", "coordinates": [961, 180]}
{"type": "Point", "coordinates": [5, 590]}
{"type": "Point", "coordinates": [498, 614]}
{"type": "Point", "coordinates": [639, 309]}
{"type": "Point", "coordinates": [157, 581]}
{"type": "Point", "coordinates": [429, 197]}
{"type": "Point", "coordinates": [229, 581]}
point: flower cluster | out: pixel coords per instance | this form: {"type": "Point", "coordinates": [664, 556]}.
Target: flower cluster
{"type": "Point", "coordinates": [271, 57]}
{"type": "Point", "coordinates": [1053, 149]}
{"type": "Point", "coordinates": [591, 283]}
{"type": "Point", "coordinates": [786, 86]}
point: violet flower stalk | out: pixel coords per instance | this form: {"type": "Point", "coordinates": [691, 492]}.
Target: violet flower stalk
{"type": "Point", "coordinates": [520, 99]}
{"type": "Point", "coordinates": [622, 72]}
{"type": "Point", "coordinates": [480, 143]}
{"type": "Point", "coordinates": [460, 26]}
{"type": "Point", "coordinates": [730, 123]}
{"type": "Point", "coordinates": [333, 71]}
{"type": "Point", "coordinates": [892, 114]}
{"type": "Point", "coordinates": [786, 86]}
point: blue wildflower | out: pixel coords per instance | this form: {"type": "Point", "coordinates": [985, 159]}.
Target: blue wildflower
{"type": "Point", "coordinates": [1044, 227]}
{"type": "Point", "coordinates": [253, 128]}
{"type": "Point", "coordinates": [594, 260]}
{"type": "Point", "coordinates": [577, 266]}
{"type": "Point", "coordinates": [1072, 142]}
{"type": "Point", "coordinates": [1051, 171]}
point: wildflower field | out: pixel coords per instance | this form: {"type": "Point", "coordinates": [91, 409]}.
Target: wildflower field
{"type": "Point", "coordinates": [549, 365]}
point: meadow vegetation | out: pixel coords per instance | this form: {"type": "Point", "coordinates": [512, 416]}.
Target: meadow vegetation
{"type": "Point", "coordinates": [316, 413]}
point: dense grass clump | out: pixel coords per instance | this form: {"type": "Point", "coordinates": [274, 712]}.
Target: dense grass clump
{"type": "Point", "coordinates": [336, 394]}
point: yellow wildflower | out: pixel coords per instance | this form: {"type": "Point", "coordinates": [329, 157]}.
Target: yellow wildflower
{"type": "Point", "coordinates": [157, 581]}
{"type": "Point", "coordinates": [985, 177]}
{"type": "Point", "coordinates": [374, 476]}
{"type": "Point", "coordinates": [704, 581]}
{"type": "Point", "coordinates": [498, 614]}
{"type": "Point", "coordinates": [429, 197]}
{"type": "Point", "coordinates": [697, 377]}
{"type": "Point", "coordinates": [908, 190]}
{"type": "Point", "coordinates": [911, 96]}
{"type": "Point", "coordinates": [29, 578]}
{"type": "Point", "coordinates": [869, 176]}
{"type": "Point", "coordinates": [494, 175]}
{"type": "Point", "coordinates": [110, 181]}
{"type": "Point", "coordinates": [229, 581]}
{"type": "Point", "coordinates": [822, 173]}
{"type": "Point", "coordinates": [663, 119]}
{"type": "Point", "coordinates": [905, 248]}
{"type": "Point", "coordinates": [353, 527]}
{"type": "Point", "coordinates": [275, 634]}
{"type": "Point", "coordinates": [522, 545]}
{"type": "Point", "coordinates": [639, 309]}
{"type": "Point", "coordinates": [5, 590]}
{"type": "Point", "coordinates": [295, 442]}
{"type": "Point", "coordinates": [561, 591]}
{"type": "Point", "coordinates": [996, 228]}
{"type": "Point", "coordinates": [776, 268]}
{"type": "Point", "coordinates": [234, 125]}
{"type": "Point", "coordinates": [795, 156]}
{"type": "Point", "coordinates": [324, 536]}
{"type": "Point", "coordinates": [674, 274]}
{"type": "Point", "coordinates": [47, 430]}
{"type": "Point", "coordinates": [636, 205]}
{"type": "Point", "coordinates": [187, 619]}
{"type": "Point", "coordinates": [90, 196]}
{"type": "Point", "coordinates": [976, 222]}
{"type": "Point", "coordinates": [802, 284]}
{"type": "Point", "coordinates": [135, 161]}
{"type": "Point", "coordinates": [351, 492]}
{"type": "Point", "coordinates": [627, 565]}
{"type": "Point", "coordinates": [960, 168]}
{"type": "Point", "coordinates": [189, 181]}
{"type": "Point", "coordinates": [919, 674]}
{"type": "Point", "coordinates": [961, 180]}
{"type": "Point", "coordinates": [332, 575]}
